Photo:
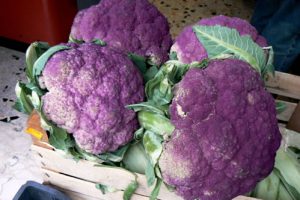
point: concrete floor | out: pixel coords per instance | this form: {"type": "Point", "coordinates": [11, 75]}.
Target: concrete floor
{"type": "Point", "coordinates": [16, 160]}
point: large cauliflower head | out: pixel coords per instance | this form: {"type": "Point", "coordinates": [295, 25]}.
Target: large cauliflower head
{"type": "Point", "coordinates": [88, 89]}
{"type": "Point", "coordinates": [134, 26]}
{"type": "Point", "coordinates": [226, 133]}
{"type": "Point", "coordinates": [189, 49]}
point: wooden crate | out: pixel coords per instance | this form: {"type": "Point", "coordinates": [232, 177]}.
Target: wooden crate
{"type": "Point", "coordinates": [286, 88]}
{"type": "Point", "coordinates": [78, 178]}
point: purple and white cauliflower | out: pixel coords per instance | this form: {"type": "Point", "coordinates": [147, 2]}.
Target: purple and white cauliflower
{"type": "Point", "coordinates": [134, 26]}
{"type": "Point", "coordinates": [88, 89]}
{"type": "Point", "coordinates": [189, 49]}
{"type": "Point", "coordinates": [226, 133]}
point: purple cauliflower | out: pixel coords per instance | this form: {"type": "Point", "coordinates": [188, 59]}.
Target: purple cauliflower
{"type": "Point", "coordinates": [134, 26]}
{"type": "Point", "coordinates": [226, 133]}
{"type": "Point", "coordinates": [88, 89]}
{"type": "Point", "coordinates": [189, 49]}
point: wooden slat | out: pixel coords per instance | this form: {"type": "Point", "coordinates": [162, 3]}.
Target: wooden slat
{"type": "Point", "coordinates": [86, 170]}
{"type": "Point", "coordinates": [116, 177]}
{"type": "Point", "coordinates": [86, 193]}
{"type": "Point", "coordinates": [84, 187]}
{"type": "Point", "coordinates": [286, 114]}
{"type": "Point", "coordinates": [294, 121]}
{"type": "Point", "coordinates": [284, 84]}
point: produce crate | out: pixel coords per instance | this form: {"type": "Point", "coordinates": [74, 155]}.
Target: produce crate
{"type": "Point", "coordinates": [286, 89]}
{"type": "Point", "coordinates": [78, 178]}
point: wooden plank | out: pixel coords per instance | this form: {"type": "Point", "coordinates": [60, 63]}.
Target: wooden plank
{"type": "Point", "coordinates": [118, 178]}
{"type": "Point", "coordinates": [284, 84]}
{"type": "Point", "coordinates": [77, 196]}
{"type": "Point", "coordinates": [286, 114]}
{"type": "Point", "coordinates": [78, 189]}
{"type": "Point", "coordinates": [84, 187]}
{"type": "Point", "coordinates": [86, 170]}
{"type": "Point", "coordinates": [294, 121]}
{"type": "Point", "coordinates": [281, 125]}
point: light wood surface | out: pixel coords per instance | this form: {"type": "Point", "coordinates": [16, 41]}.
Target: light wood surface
{"type": "Point", "coordinates": [79, 178]}
{"type": "Point", "coordinates": [83, 187]}
{"type": "Point", "coordinates": [284, 84]}
{"type": "Point", "coordinates": [86, 170]}
{"type": "Point", "coordinates": [286, 114]}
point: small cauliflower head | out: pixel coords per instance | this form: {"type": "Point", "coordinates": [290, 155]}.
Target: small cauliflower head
{"type": "Point", "coordinates": [88, 89]}
{"type": "Point", "coordinates": [134, 26]}
{"type": "Point", "coordinates": [226, 133]}
{"type": "Point", "coordinates": [188, 48]}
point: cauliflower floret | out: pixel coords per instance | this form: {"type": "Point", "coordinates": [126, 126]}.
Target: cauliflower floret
{"type": "Point", "coordinates": [227, 139]}
{"type": "Point", "coordinates": [89, 87]}
{"type": "Point", "coordinates": [131, 26]}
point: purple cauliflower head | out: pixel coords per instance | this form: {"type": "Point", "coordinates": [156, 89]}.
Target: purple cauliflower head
{"type": "Point", "coordinates": [88, 89]}
{"type": "Point", "coordinates": [134, 26]}
{"type": "Point", "coordinates": [189, 49]}
{"type": "Point", "coordinates": [226, 133]}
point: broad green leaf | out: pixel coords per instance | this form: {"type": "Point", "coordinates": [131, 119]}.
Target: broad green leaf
{"type": "Point", "coordinates": [268, 188]}
{"type": "Point", "coordinates": [33, 52]}
{"type": "Point", "coordinates": [42, 60]}
{"type": "Point", "coordinates": [116, 156]}
{"type": "Point", "coordinates": [138, 134]}
{"type": "Point", "coordinates": [219, 40]}
{"type": "Point", "coordinates": [139, 61]}
{"type": "Point", "coordinates": [155, 123]}
{"type": "Point", "coordinates": [289, 169]}
{"type": "Point", "coordinates": [75, 154]}
{"type": "Point", "coordinates": [58, 137]}
{"type": "Point", "coordinates": [296, 151]}
{"type": "Point", "coordinates": [290, 189]}
{"type": "Point", "coordinates": [150, 174]}
{"type": "Point", "coordinates": [135, 159]}
{"type": "Point", "coordinates": [147, 70]}
{"type": "Point", "coordinates": [19, 106]}
{"type": "Point", "coordinates": [82, 153]}
{"type": "Point", "coordinates": [148, 106]}
{"type": "Point", "coordinates": [283, 194]}
{"type": "Point", "coordinates": [223, 56]}
{"type": "Point", "coordinates": [156, 189]}
{"type": "Point", "coordinates": [159, 89]}
{"type": "Point", "coordinates": [280, 107]}
{"type": "Point", "coordinates": [35, 99]}
{"type": "Point", "coordinates": [23, 103]}
{"type": "Point", "coordinates": [32, 86]}
{"type": "Point", "coordinates": [153, 145]}
{"type": "Point", "coordinates": [153, 92]}
{"type": "Point", "coordinates": [150, 73]}
{"type": "Point", "coordinates": [128, 192]}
